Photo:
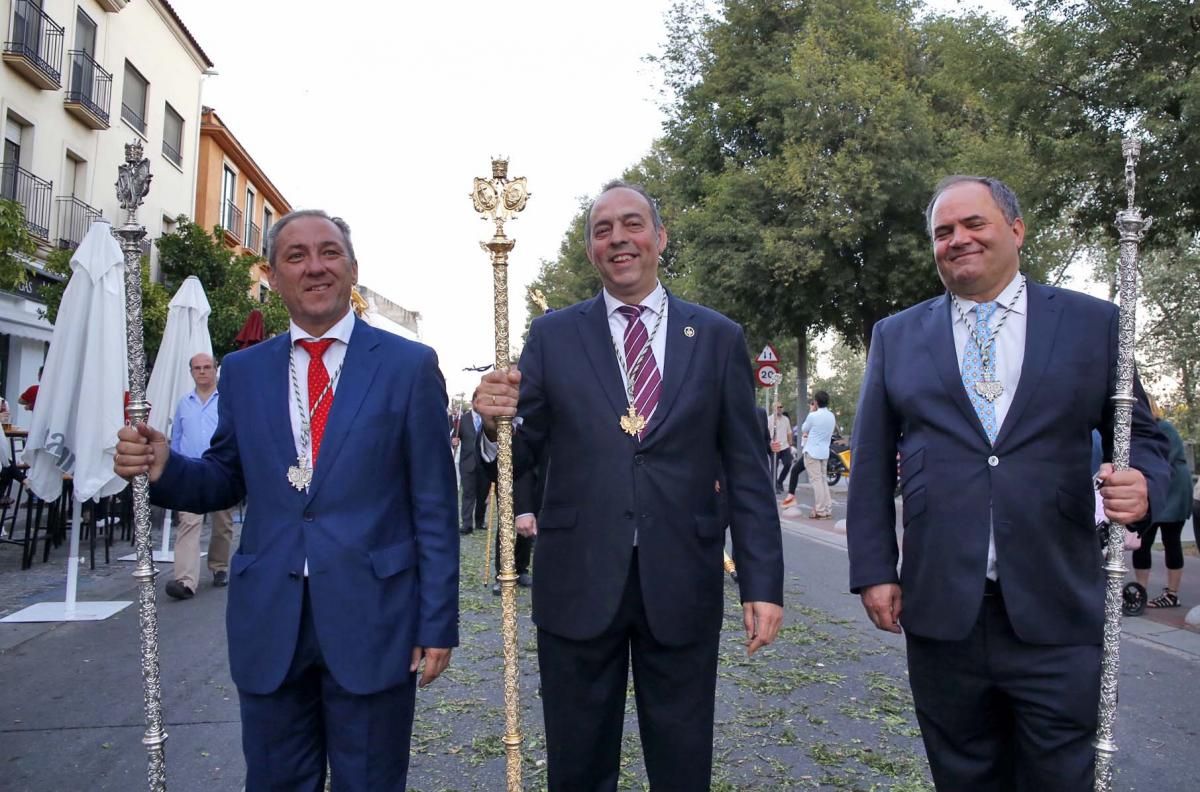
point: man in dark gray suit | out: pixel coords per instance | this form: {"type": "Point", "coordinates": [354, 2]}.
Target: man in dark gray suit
{"type": "Point", "coordinates": [990, 394]}
{"type": "Point", "coordinates": [642, 401]}
{"type": "Point", "coordinates": [473, 478]}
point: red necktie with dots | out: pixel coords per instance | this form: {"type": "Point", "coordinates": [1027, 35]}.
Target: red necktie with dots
{"type": "Point", "coordinates": [318, 380]}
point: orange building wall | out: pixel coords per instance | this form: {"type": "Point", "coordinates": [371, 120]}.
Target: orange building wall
{"type": "Point", "coordinates": [219, 147]}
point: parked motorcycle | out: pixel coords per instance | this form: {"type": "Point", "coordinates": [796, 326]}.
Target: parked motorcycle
{"type": "Point", "coordinates": [839, 460]}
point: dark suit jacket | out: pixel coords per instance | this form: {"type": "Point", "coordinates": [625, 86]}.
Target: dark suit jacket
{"type": "Point", "coordinates": [378, 525]}
{"type": "Point", "coordinates": [1034, 485]}
{"type": "Point", "coordinates": [468, 442]}
{"type": "Point", "coordinates": [604, 484]}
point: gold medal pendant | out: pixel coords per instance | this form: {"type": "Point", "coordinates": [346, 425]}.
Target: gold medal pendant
{"type": "Point", "coordinates": [300, 475]}
{"type": "Point", "coordinates": [632, 423]}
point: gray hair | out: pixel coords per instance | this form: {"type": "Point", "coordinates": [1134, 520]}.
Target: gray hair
{"type": "Point", "coordinates": [617, 184]}
{"type": "Point", "coordinates": [1002, 194]}
{"type": "Point", "coordinates": [274, 231]}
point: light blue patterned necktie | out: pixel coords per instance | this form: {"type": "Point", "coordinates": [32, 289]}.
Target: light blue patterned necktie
{"type": "Point", "coordinates": [973, 368]}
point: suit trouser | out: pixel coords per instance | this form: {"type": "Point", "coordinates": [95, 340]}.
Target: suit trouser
{"type": "Point", "coordinates": [466, 483]}
{"type": "Point", "coordinates": [583, 701]}
{"type": "Point", "coordinates": [822, 498]}
{"type": "Point", "coordinates": [288, 734]}
{"type": "Point", "coordinates": [187, 545]}
{"type": "Point", "coordinates": [1001, 715]}
{"type": "Point", "coordinates": [784, 458]}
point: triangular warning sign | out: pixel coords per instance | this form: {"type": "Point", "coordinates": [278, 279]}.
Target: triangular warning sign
{"type": "Point", "coordinates": [767, 355]}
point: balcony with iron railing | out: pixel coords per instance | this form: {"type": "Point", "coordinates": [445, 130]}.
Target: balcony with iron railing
{"type": "Point", "coordinates": [171, 153]}
{"type": "Point", "coordinates": [89, 90]}
{"type": "Point", "coordinates": [35, 45]}
{"type": "Point", "coordinates": [32, 193]}
{"type": "Point", "coordinates": [253, 237]}
{"type": "Point", "coordinates": [74, 219]}
{"type": "Point", "coordinates": [133, 117]}
{"type": "Point", "coordinates": [231, 221]}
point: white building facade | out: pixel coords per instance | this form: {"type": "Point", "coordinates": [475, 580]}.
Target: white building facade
{"type": "Point", "coordinates": [80, 79]}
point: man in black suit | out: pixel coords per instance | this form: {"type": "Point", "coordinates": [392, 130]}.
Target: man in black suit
{"type": "Point", "coordinates": [642, 401]}
{"type": "Point", "coordinates": [990, 393]}
{"type": "Point", "coordinates": [474, 476]}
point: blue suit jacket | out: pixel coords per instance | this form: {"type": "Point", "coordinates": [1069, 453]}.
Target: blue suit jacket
{"type": "Point", "coordinates": [1034, 486]}
{"type": "Point", "coordinates": [378, 525]}
{"type": "Point", "coordinates": [603, 484]}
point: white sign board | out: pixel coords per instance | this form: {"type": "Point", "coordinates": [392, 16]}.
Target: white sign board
{"type": "Point", "coordinates": [768, 355]}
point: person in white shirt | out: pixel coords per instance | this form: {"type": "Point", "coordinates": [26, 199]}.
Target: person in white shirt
{"type": "Point", "coordinates": [817, 431]}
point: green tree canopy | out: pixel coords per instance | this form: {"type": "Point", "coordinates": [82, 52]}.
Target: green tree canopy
{"type": "Point", "coordinates": [14, 243]}
{"type": "Point", "coordinates": [803, 143]}
{"type": "Point", "coordinates": [190, 250]}
{"type": "Point", "coordinates": [154, 298]}
{"type": "Point", "coordinates": [1099, 70]}
{"type": "Point", "coordinates": [226, 278]}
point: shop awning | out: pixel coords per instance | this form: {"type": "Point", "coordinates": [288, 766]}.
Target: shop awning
{"type": "Point", "coordinates": [25, 325]}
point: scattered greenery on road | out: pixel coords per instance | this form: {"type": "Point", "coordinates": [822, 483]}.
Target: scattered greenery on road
{"type": "Point", "coordinates": [826, 707]}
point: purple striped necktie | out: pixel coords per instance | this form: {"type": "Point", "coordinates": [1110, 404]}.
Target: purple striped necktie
{"type": "Point", "coordinates": [647, 382]}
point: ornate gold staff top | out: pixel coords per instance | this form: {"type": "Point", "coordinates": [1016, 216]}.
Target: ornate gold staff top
{"type": "Point", "coordinates": [1132, 227]}
{"type": "Point", "coordinates": [500, 199]}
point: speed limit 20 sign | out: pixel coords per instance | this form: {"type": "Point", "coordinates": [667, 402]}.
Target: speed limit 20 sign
{"type": "Point", "coordinates": [767, 375]}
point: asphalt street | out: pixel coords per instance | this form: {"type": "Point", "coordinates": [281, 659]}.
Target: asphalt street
{"type": "Point", "coordinates": [826, 707]}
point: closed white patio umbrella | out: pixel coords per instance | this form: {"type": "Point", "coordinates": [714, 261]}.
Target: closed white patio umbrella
{"type": "Point", "coordinates": [185, 336]}
{"type": "Point", "coordinates": [81, 404]}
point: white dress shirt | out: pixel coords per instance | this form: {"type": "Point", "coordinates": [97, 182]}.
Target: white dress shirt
{"type": "Point", "coordinates": [818, 427]}
{"type": "Point", "coordinates": [1010, 355]}
{"type": "Point", "coordinates": [333, 358]}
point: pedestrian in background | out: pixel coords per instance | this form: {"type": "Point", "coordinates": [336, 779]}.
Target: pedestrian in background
{"type": "Point", "coordinates": [191, 434]}
{"type": "Point", "coordinates": [1169, 521]}
{"type": "Point", "coordinates": [780, 428]}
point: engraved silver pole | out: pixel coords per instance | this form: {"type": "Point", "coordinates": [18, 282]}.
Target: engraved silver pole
{"type": "Point", "coordinates": [133, 182]}
{"type": "Point", "coordinates": [1132, 227]}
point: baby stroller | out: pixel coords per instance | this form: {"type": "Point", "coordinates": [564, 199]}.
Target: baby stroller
{"type": "Point", "coordinates": [1133, 596]}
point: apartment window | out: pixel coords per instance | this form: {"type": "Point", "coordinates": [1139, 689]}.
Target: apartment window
{"type": "Point", "coordinates": [173, 135]}
{"type": "Point", "coordinates": [249, 209]}
{"type": "Point", "coordinates": [133, 98]}
{"type": "Point", "coordinates": [13, 135]}
{"type": "Point", "coordinates": [74, 175]}
{"type": "Point", "coordinates": [268, 218]}
{"type": "Point", "coordinates": [231, 216]}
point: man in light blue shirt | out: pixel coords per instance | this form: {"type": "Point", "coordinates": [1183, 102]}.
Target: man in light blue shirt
{"type": "Point", "coordinates": [191, 433]}
{"type": "Point", "coordinates": [818, 432]}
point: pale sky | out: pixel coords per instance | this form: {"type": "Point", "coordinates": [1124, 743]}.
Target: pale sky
{"type": "Point", "coordinates": [384, 112]}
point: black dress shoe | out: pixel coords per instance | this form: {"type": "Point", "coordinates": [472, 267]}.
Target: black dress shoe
{"type": "Point", "coordinates": [220, 578]}
{"type": "Point", "coordinates": [496, 589]}
{"type": "Point", "coordinates": [177, 590]}
{"type": "Point", "coordinates": [524, 580]}
{"type": "Point", "coordinates": [465, 531]}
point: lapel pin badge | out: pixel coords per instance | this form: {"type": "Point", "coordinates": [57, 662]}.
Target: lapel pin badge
{"type": "Point", "coordinates": [689, 331]}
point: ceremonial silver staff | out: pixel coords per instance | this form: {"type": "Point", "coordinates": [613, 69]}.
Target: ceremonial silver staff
{"type": "Point", "coordinates": [1132, 227]}
{"type": "Point", "coordinates": [133, 182]}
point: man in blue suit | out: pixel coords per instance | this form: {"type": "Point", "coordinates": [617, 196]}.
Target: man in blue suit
{"type": "Point", "coordinates": [990, 393]}
{"type": "Point", "coordinates": [642, 401]}
{"type": "Point", "coordinates": [346, 577]}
